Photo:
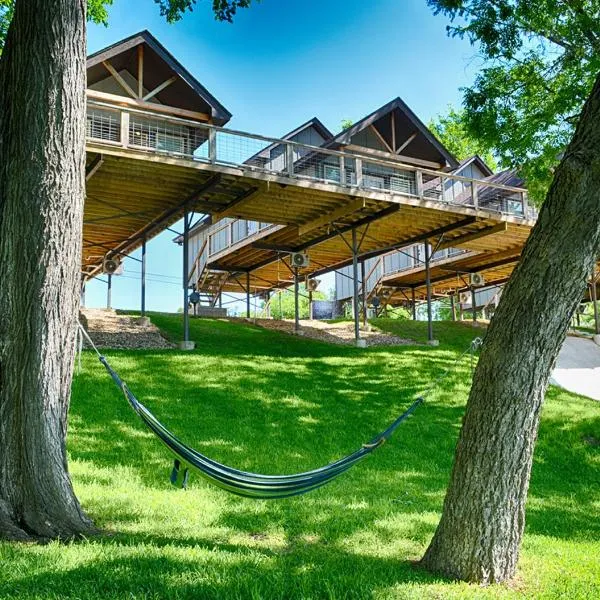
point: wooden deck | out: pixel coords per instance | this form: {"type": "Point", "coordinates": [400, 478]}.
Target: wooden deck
{"type": "Point", "coordinates": [135, 189]}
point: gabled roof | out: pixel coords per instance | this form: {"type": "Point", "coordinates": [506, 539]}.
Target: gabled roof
{"type": "Point", "coordinates": [314, 123]}
{"type": "Point", "coordinates": [219, 113]}
{"type": "Point", "coordinates": [344, 137]}
{"type": "Point", "coordinates": [477, 160]}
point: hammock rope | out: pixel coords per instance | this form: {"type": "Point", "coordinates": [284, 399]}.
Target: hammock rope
{"type": "Point", "coordinates": [243, 483]}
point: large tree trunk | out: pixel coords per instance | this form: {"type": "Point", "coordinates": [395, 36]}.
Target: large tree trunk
{"type": "Point", "coordinates": [479, 535]}
{"type": "Point", "coordinates": [42, 162]}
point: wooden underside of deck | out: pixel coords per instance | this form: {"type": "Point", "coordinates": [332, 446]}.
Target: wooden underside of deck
{"type": "Point", "coordinates": [132, 195]}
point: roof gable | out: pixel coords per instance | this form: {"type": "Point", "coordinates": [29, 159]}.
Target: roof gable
{"type": "Point", "coordinates": [159, 65]}
{"type": "Point", "coordinates": [399, 131]}
{"type": "Point", "coordinates": [476, 160]}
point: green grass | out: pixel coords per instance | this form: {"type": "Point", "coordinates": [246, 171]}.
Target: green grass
{"type": "Point", "coordinates": [267, 402]}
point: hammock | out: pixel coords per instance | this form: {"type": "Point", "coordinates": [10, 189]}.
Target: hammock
{"type": "Point", "coordinates": [242, 483]}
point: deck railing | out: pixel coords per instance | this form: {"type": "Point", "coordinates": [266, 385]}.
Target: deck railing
{"type": "Point", "coordinates": [197, 141]}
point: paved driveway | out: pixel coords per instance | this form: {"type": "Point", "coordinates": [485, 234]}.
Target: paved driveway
{"type": "Point", "coordinates": [578, 367]}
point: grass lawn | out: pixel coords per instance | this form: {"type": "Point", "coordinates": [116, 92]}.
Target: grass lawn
{"type": "Point", "coordinates": [263, 401]}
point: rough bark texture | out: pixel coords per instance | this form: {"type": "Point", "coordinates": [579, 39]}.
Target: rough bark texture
{"type": "Point", "coordinates": [479, 535]}
{"type": "Point", "coordinates": [42, 161]}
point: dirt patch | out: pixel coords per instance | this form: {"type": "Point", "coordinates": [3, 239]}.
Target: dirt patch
{"type": "Point", "coordinates": [334, 333]}
{"type": "Point", "coordinates": [110, 330]}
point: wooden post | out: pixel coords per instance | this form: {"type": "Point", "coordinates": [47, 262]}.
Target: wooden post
{"type": "Point", "coordinates": [141, 71]}
{"type": "Point", "coordinates": [143, 300]}
{"type": "Point", "coordinates": [428, 283]}
{"type": "Point", "coordinates": [212, 145]}
{"type": "Point", "coordinates": [359, 173]}
{"type": "Point", "coordinates": [475, 193]}
{"type": "Point", "coordinates": [342, 170]}
{"type": "Point", "coordinates": [124, 129]}
{"type": "Point", "coordinates": [419, 183]}
{"type": "Point", "coordinates": [289, 149]}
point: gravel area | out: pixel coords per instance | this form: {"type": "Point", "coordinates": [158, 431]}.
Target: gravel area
{"type": "Point", "coordinates": [110, 330]}
{"type": "Point", "coordinates": [334, 333]}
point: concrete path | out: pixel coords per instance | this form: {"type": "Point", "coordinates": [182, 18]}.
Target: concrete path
{"type": "Point", "coordinates": [578, 367]}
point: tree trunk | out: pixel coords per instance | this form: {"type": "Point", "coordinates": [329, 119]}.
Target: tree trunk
{"type": "Point", "coordinates": [42, 163]}
{"type": "Point", "coordinates": [479, 535]}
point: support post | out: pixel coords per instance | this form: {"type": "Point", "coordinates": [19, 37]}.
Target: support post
{"type": "Point", "coordinates": [364, 292]}
{"type": "Point", "coordinates": [414, 305]}
{"type": "Point", "coordinates": [143, 300]}
{"type": "Point", "coordinates": [310, 305]}
{"type": "Point", "coordinates": [355, 288]}
{"type": "Point", "coordinates": [453, 307]}
{"type": "Point", "coordinates": [430, 339]}
{"type": "Point", "coordinates": [186, 344]}
{"type": "Point", "coordinates": [109, 292]}
{"type": "Point", "coordinates": [473, 305]}
{"type": "Point", "coordinates": [296, 302]}
{"type": "Point", "coordinates": [248, 294]}
{"type": "Point", "coordinates": [83, 295]}
{"type": "Point", "coordinates": [594, 298]}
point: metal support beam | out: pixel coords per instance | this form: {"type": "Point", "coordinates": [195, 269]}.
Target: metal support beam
{"type": "Point", "coordinates": [143, 302]}
{"type": "Point", "coordinates": [296, 302]}
{"type": "Point", "coordinates": [414, 305]}
{"type": "Point", "coordinates": [364, 292]}
{"type": "Point", "coordinates": [83, 295]}
{"type": "Point", "coordinates": [186, 269]}
{"type": "Point", "coordinates": [355, 286]}
{"type": "Point", "coordinates": [453, 307]}
{"type": "Point", "coordinates": [109, 291]}
{"type": "Point", "coordinates": [473, 305]}
{"type": "Point", "coordinates": [428, 284]}
{"type": "Point", "coordinates": [594, 298]}
{"type": "Point", "coordinates": [248, 294]}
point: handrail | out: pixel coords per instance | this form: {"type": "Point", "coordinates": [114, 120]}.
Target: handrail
{"type": "Point", "coordinates": [311, 148]}
{"type": "Point", "coordinates": [195, 262]}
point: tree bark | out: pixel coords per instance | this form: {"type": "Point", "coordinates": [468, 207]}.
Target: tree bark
{"type": "Point", "coordinates": [42, 187]}
{"type": "Point", "coordinates": [479, 535]}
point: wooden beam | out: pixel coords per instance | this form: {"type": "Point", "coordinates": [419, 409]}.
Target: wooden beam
{"type": "Point", "coordinates": [136, 103]}
{"type": "Point", "coordinates": [234, 204]}
{"type": "Point", "coordinates": [342, 211]}
{"type": "Point", "coordinates": [159, 88]}
{"type": "Point", "coordinates": [407, 142]}
{"type": "Point", "coordinates": [273, 247]}
{"type": "Point", "coordinates": [140, 51]}
{"type": "Point", "coordinates": [474, 235]}
{"type": "Point", "coordinates": [393, 157]}
{"type": "Point", "coordinates": [93, 167]}
{"type": "Point", "coordinates": [381, 138]}
{"type": "Point", "coordinates": [119, 79]}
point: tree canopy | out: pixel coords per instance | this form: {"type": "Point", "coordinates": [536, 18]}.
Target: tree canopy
{"type": "Point", "coordinates": [172, 10]}
{"type": "Point", "coordinates": [453, 131]}
{"type": "Point", "coordinates": [540, 58]}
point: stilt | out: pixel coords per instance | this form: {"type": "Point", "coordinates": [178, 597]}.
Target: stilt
{"type": "Point", "coordinates": [186, 344]}
{"type": "Point", "coordinates": [453, 307]}
{"type": "Point", "coordinates": [474, 305]}
{"type": "Point", "coordinates": [594, 298]}
{"type": "Point", "coordinates": [414, 305]}
{"type": "Point", "coordinates": [355, 288]}
{"type": "Point", "coordinates": [248, 294]}
{"type": "Point", "coordinates": [82, 300]}
{"type": "Point", "coordinates": [430, 339]}
{"type": "Point", "coordinates": [109, 292]}
{"type": "Point", "coordinates": [364, 291]}
{"type": "Point", "coordinates": [310, 305]}
{"type": "Point", "coordinates": [296, 302]}
{"type": "Point", "coordinates": [143, 299]}
{"type": "Point", "coordinates": [280, 309]}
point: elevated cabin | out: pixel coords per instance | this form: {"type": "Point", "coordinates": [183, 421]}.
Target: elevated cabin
{"type": "Point", "coordinates": [379, 268]}
{"type": "Point", "coordinates": [140, 98]}
{"type": "Point", "coordinates": [388, 151]}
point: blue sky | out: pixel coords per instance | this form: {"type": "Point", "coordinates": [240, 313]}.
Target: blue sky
{"type": "Point", "coordinates": [282, 62]}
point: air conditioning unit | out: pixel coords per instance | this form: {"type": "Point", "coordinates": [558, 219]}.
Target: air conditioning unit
{"type": "Point", "coordinates": [112, 266]}
{"type": "Point", "coordinates": [477, 280]}
{"type": "Point", "coordinates": [465, 298]}
{"type": "Point", "coordinates": [312, 284]}
{"type": "Point", "coordinates": [299, 259]}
